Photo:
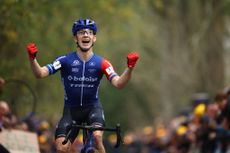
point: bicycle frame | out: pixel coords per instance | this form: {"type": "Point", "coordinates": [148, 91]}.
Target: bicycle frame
{"type": "Point", "coordinates": [88, 139]}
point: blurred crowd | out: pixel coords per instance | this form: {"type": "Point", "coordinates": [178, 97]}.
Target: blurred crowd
{"type": "Point", "coordinates": [31, 123]}
{"type": "Point", "coordinates": [202, 128]}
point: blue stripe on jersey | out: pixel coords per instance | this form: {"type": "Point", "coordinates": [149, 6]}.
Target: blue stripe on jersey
{"type": "Point", "coordinates": [50, 68]}
{"type": "Point", "coordinates": [113, 75]}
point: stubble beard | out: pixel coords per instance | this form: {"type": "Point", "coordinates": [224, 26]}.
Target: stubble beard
{"type": "Point", "coordinates": [84, 49]}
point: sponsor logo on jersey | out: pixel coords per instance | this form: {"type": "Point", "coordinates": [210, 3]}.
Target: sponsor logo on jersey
{"type": "Point", "coordinates": [109, 70]}
{"type": "Point", "coordinates": [75, 63]}
{"type": "Point", "coordinates": [87, 79]}
{"type": "Point", "coordinates": [92, 70]}
{"type": "Point", "coordinates": [81, 85]}
{"type": "Point", "coordinates": [56, 65]}
{"type": "Point", "coordinates": [75, 69]}
{"type": "Point", "coordinates": [92, 64]}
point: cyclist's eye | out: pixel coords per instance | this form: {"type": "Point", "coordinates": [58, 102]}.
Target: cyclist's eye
{"type": "Point", "coordinates": [83, 32]}
{"type": "Point", "coordinates": [80, 32]}
{"type": "Point", "coordinates": [90, 32]}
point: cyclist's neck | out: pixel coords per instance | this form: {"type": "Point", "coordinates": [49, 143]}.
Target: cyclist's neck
{"type": "Point", "coordinates": [85, 56]}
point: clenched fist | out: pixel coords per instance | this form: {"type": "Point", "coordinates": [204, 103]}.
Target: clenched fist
{"type": "Point", "coordinates": [132, 59]}
{"type": "Point", "coordinates": [32, 50]}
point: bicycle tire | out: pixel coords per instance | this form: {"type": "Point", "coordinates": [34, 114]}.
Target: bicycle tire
{"type": "Point", "coordinates": [20, 96]}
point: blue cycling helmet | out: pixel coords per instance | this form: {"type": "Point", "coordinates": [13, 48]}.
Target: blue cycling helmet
{"type": "Point", "coordinates": [84, 24]}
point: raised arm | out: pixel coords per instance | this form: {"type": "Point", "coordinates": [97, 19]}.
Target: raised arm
{"type": "Point", "coordinates": [123, 79]}
{"type": "Point", "coordinates": [38, 71]}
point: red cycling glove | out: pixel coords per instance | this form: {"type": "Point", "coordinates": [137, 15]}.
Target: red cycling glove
{"type": "Point", "coordinates": [132, 59]}
{"type": "Point", "coordinates": [32, 50]}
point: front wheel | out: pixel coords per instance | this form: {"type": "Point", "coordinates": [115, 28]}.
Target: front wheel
{"type": "Point", "coordinates": [88, 150]}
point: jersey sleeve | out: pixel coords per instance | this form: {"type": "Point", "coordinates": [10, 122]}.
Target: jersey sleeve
{"type": "Point", "coordinates": [107, 69]}
{"type": "Point", "coordinates": [56, 65]}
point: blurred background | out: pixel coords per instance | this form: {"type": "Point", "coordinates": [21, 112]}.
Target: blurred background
{"type": "Point", "coordinates": [183, 47]}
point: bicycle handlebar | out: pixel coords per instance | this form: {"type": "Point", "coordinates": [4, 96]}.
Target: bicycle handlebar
{"type": "Point", "coordinates": [95, 128]}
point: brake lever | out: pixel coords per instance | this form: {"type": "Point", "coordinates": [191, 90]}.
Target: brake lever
{"type": "Point", "coordinates": [118, 132]}
{"type": "Point", "coordinates": [68, 134]}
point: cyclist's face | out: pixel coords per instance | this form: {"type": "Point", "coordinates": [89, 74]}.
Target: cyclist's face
{"type": "Point", "coordinates": [85, 39]}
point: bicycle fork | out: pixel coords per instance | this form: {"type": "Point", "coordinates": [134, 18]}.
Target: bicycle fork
{"type": "Point", "coordinates": [89, 143]}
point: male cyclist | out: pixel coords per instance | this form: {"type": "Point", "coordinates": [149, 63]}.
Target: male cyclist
{"type": "Point", "coordinates": [81, 72]}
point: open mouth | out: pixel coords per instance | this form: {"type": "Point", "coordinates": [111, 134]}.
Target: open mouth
{"type": "Point", "coordinates": [85, 41]}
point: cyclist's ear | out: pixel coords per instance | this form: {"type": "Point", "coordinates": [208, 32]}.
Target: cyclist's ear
{"type": "Point", "coordinates": [94, 38]}
{"type": "Point", "coordinates": [75, 39]}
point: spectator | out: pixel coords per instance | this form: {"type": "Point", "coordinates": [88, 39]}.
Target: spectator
{"type": "Point", "coordinates": [223, 102]}
{"type": "Point", "coordinates": [2, 83]}
{"type": "Point", "coordinates": [4, 111]}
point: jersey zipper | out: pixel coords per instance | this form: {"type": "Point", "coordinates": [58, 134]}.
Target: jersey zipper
{"type": "Point", "coordinates": [82, 83]}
